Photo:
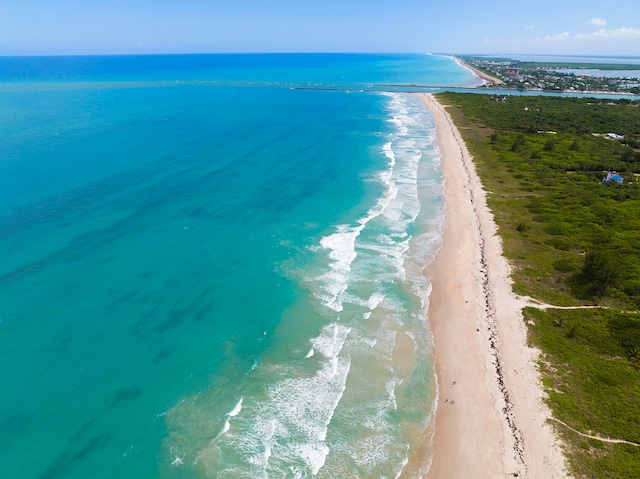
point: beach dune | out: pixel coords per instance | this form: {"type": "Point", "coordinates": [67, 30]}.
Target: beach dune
{"type": "Point", "coordinates": [491, 419]}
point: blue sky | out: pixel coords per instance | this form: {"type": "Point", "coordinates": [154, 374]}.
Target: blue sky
{"type": "Point", "coordinates": [36, 27]}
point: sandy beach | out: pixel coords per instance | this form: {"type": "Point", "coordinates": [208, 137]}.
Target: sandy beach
{"type": "Point", "coordinates": [491, 420]}
{"type": "Point", "coordinates": [479, 73]}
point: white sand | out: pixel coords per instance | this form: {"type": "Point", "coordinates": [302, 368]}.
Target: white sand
{"type": "Point", "coordinates": [490, 80]}
{"type": "Point", "coordinates": [491, 421]}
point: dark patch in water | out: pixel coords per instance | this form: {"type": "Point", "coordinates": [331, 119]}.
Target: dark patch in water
{"type": "Point", "coordinates": [144, 298]}
{"type": "Point", "coordinates": [68, 459]}
{"type": "Point", "coordinates": [173, 319]}
{"type": "Point", "coordinates": [148, 317]}
{"type": "Point", "coordinates": [165, 353]}
{"type": "Point", "coordinates": [86, 244]}
{"type": "Point", "coordinates": [202, 295]}
{"type": "Point", "coordinates": [200, 212]}
{"type": "Point", "coordinates": [140, 328]}
{"type": "Point", "coordinates": [74, 205]}
{"type": "Point", "coordinates": [24, 270]}
{"type": "Point", "coordinates": [59, 344]}
{"type": "Point", "coordinates": [126, 298]}
{"type": "Point", "coordinates": [198, 309]}
{"type": "Point", "coordinates": [16, 424]}
{"type": "Point", "coordinates": [78, 247]}
{"type": "Point", "coordinates": [82, 431]}
{"type": "Point", "coordinates": [203, 313]}
{"type": "Point", "coordinates": [127, 394]}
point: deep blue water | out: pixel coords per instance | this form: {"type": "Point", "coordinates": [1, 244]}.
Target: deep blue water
{"type": "Point", "coordinates": [208, 273]}
{"type": "Point", "coordinates": [322, 70]}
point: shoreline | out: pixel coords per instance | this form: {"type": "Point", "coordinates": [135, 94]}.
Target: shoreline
{"type": "Point", "coordinates": [491, 420]}
{"type": "Point", "coordinates": [489, 80]}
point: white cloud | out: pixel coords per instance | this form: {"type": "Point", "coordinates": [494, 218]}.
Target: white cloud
{"type": "Point", "coordinates": [597, 22]}
{"type": "Point", "coordinates": [624, 33]}
{"type": "Point", "coordinates": [618, 41]}
{"type": "Point", "coordinates": [558, 37]}
{"type": "Point", "coordinates": [530, 27]}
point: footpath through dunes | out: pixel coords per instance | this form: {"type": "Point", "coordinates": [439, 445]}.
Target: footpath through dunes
{"type": "Point", "coordinates": [491, 419]}
{"type": "Point", "coordinates": [591, 436]}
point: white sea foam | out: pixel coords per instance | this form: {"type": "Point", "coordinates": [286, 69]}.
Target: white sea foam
{"type": "Point", "coordinates": [390, 387]}
{"type": "Point", "coordinates": [313, 454]}
{"type": "Point", "coordinates": [372, 451]}
{"type": "Point", "coordinates": [374, 300]}
{"type": "Point", "coordinates": [236, 410]}
{"type": "Point", "coordinates": [403, 464]}
{"type": "Point", "coordinates": [303, 409]}
{"type": "Point", "coordinates": [395, 204]}
{"type": "Point", "coordinates": [399, 205]}
{"type": "Point", "coordinates": [341, 246]}
{"type": "Point", "coordinates": [387, 248]}
{"type": "Point", "coordinates": [369, 280]}
{"type": "Point", "coordinates": [289, 424]}
{"type": "Point", "coordinates": [329, 343]}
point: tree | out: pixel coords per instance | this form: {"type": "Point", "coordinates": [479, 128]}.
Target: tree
{"type": "Point", "coordinates": [600, 271]}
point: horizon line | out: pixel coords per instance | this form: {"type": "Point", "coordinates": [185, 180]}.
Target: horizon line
{"type": "Point", "coordinates": [130, 54]}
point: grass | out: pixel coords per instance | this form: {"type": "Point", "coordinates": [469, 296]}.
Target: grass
{"type": "Point", "coordinates": [593, 384]}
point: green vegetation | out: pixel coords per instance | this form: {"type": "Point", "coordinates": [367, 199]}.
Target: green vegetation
{"type": "Point", "coordinates": [522, 64]}
{"type": "Point", "coordinates": [592, 376]}
{"type": "Point", "coordinates": [591, 66]}
{"type": "Point", "coordinates": [531, 114]}
{"type": "Point", "coordinates": [571, 241]}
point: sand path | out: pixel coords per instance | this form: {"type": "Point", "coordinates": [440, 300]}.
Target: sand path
{"type": "Point", "coordinates": [591, 436]}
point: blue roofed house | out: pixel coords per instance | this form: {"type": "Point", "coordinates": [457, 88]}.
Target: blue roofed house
{"type": "Point", "coordinates": [612, 176]}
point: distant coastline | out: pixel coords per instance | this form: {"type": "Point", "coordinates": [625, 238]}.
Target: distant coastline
{"type": "Point", "coordinates": [489, 80]}
{"type": "Point", "coordinates": [556, 77]}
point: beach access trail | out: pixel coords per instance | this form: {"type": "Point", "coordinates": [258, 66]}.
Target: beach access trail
{"type": "Point", "coordinates": [491, 420]}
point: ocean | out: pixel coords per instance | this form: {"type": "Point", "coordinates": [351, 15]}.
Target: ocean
{"type": "Point", "coordinates": [213, 265]}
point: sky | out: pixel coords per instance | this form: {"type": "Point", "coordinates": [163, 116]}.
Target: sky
{"type": "Point", "coordinates": [561, 27]}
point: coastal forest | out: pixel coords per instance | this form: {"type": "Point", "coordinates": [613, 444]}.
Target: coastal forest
{"type": "Point", "coordinates": [562, 177]}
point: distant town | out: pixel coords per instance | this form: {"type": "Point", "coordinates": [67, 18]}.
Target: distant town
{"type": "Point", "coordinates": [559, 77]}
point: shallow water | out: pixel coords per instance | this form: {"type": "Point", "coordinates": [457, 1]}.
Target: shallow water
{"type": "Point", "coordinates": [215, 280]}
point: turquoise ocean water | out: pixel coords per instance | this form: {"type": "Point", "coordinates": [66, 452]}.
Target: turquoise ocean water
{"type": "Point", "coordinates": [207, 272]}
